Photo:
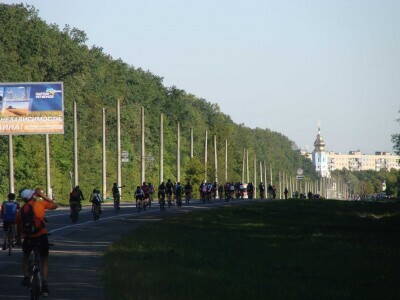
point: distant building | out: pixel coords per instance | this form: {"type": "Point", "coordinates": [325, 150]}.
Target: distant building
{"type": "Point", "coordinates": [326, 161]}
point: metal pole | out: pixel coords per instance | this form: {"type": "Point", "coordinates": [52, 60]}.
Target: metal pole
{"type": "Point", "coordinates": [243, 164]}
{"type": "Point", "coordinates": [161, 148]}
{"type": "Point", "coordinates": [178, 154]}
{"type": "Point", "coordinates": [119, 180]}
{"type": "Point", "coordinates": [215, 159]}
{"type": "Point", "coordinates": [143, 153]}
{"type": "Point", "coordinates": [265, 179]}
{"type": "Point", "coordinates": [191, 142]}
{"type": "Point", "coordinates": [255, 176]}
{"type": "Point", "coordinates": [247, 166]}
{"type": "Point", "coordinates": [205, 157]}
{"type": "Point", "coordinates": [76, 175]}
{"type": "Point", "coordinates": [104, 156]}
{"type": "Point", "coordinates": [270, 172]}
{"type": "Point", "coordinates": [261, 172]}
{"type": "Point", "coordinates": [226, 161]}
{"type": "Point", "coordinates": [280, 185]}
{"type": "Point", "coordinates": [11, 163]}
{"type": "Point", "coordinates": [48, 179]}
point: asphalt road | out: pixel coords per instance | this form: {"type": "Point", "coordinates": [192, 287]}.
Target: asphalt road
{"type": "Point", "coordinates": [75, 263]}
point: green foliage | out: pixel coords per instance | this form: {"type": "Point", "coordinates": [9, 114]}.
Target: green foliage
{"type": "Point", "coordinates": [31, 50]}
{"type": "Point", "coordinates": [370, 182]}
{"type": "Point", "coordinates": [396, 141]}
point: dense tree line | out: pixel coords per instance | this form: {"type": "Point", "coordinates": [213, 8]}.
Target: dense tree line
{"type": "Point", "coordinates": [32, 50]}
{"type": "Point", "coordinates": [369, 182]}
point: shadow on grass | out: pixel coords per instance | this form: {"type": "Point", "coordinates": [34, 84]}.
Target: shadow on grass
{"type": "Point", "coordinates": [277, 250]}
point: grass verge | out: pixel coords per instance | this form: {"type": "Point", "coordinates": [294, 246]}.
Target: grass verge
{"type": "Point", "coordinates": [276, 250]}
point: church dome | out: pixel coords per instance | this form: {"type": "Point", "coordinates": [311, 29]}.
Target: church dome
{"type": "Point", "coordinates": [319, 143]}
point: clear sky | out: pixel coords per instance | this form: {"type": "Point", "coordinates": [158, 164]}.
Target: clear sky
{"type": "Point", "coordinates": [283, 65]}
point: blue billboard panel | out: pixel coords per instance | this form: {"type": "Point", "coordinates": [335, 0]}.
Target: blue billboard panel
{"type": "Point", "coordinates": [31, 108]}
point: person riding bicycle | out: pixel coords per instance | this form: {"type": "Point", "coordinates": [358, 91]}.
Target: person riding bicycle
{"type": "Point", "coordinates": [31, 222]}
{"type": "Point", "coordinates": [250, 190]}
{"type": "Point", "coordinates": [139, 196]}
{"type": "Point", "coordinates": [161, 194]}
{"type": "Point", "coordinates": [150, 188]}
{"type": "Point", "coordinates": [178, 194]}
{"type": "Point", "coordinates": [116, 194]}
{"type": "Point", "coordinates": [96, 198]}
{"type": "Point", "coordinates": [75, 199]}
{"type": "Point", "coordinates": [188, 192]}
{"type": "Point", "coordinates": [9, 211]}
{"type": "Point", "coordinates": [261, 187]}
{"type": "Point", "coordinates": [221, 191]}
{"type": "Point", "coordinates": [169, 188]}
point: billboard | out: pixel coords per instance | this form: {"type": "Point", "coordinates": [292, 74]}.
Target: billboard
{"type": "Point", "coordinates": [31, 108]}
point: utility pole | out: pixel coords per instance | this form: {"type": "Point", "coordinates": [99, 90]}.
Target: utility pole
{"type": "Point", "coordinates": [178, 154]}
{"type": "Point", "coordinates": [270, 172]}
{"type": "Point", "coordinates": [255, 176]}
{"type": "Point", "coordinates": [261, 172]}
{"type": "Point", "coordinates": [76, 176]}
{"type": "Point", "coordinates": [226, 161]}
{"type": "Point", "coordinates": [280, 185]}
{"type": "Point", "coordinates": [247, 166]}
{"type": "Point", "coordinates": [205, 157]}
{"type": "Point", "coordinates": [265, 179]}
{"type": "Point", "coordinates": [119, 179]}
{"type": "Point", "coordinates": [104, 173]}
{"type": "Point", "coordinates": [215, 160]}
{"type": "Point", "coordinates": [243, 164]}
{"type": "Point", "coordinates": [143, 150]}
{"type": "Point", "coordinates": [161, 148]}
{"type": "Point", "coordinates": [11, 163]}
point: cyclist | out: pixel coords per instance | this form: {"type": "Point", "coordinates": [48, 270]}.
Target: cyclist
{"type": "Point", "coordinates": [188, 192]}
{"type": "Point", "coordinates": [221, 191]}
{"type": "Point", "coordinates": [9, 210]}
{"type": "Point", "coordinates": [203, 191]}
{"type": "Point", "coordinates": [139, 195]}
{"type": "Point", "coordinates": [178, 194]}
{"type": "Point", "coordinates": [151, 192]}
{"type": "Point", "coordinates": [75, 198]}
{"type": "Point", "coordinates": [286, 192]}
{"type": "Point", "coordinates": [31, 221]}
{"type": "Point", "coordinates": [161, 195]}
{"type": "Point", "coordinates": [261, 187]}
{"type": "Point", "coordinates": [116, 195]}
{"type": "Point", "coordinates": [238, 190]}
{"type": "Point", "coordinates": [145, 189]}
{"type": "Point", "coordinates": [169, 188]}
{"type": "Point", "coordinates": [250, 190]}
{"type": "Point", "coordinates": [96, 199]}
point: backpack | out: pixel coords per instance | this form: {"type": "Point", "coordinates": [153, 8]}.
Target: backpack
{"type": "Point", "coordinates": [10, 211]}
{"type": "Point", "coordinates": [29, 221]}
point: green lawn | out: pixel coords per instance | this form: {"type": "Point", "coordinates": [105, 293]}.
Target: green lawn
{"type": "Point", "coordinates": [277, 250]}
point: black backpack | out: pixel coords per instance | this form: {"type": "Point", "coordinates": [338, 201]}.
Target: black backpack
{"type": "Point", "coordinates": [29, 226]}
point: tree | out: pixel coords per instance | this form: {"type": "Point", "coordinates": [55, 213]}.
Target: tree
{"type": "Point", "coordinates": [396, 140]}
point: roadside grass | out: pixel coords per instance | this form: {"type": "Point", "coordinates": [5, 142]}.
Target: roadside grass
{"type": "Point", "coordinates": [276, 250]}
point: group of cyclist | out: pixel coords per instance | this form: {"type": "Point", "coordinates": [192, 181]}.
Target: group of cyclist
{"type": "Point", "coordinates": [28, 223]}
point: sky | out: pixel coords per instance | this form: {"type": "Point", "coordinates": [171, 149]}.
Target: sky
{"type": "Point", "coordinates": [283, 65]}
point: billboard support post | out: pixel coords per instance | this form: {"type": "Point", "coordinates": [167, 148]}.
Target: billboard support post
{"type": "Point", "coordinates": [11, 163]}
{"type": "Point", "coordinates": [48, 177]}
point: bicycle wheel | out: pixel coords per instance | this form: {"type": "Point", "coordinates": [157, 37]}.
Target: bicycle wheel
{"type": "Point", "coordinates": [9, 241]}
{"type": "Point", "coordinates": [36, 286]}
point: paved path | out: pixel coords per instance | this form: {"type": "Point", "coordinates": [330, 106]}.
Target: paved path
{"type": "Point", "coordinates": [76, 258]}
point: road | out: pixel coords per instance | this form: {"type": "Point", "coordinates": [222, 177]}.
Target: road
{"type": "Point", "coordinates": [76, 257]}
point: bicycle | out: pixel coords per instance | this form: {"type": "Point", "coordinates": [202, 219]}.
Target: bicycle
{"type": "Point", "coordinates": [178, 200]}
{"type": "Point", "coordinates": [75, 208]}
{"type": "Point", "coordinates": [161, 200]}
{"type": "Point", "coordinates": [10, 239]}
{"type": "Point", "coordinates": [169, 199]}
{"type": "Point", "coordinates": [96, 211]}
{"type": "Point", "coordinates": [188, 196]}
{"type": "Point", "coordinates": [139, 204]}
{"type": "Point", "coordinates": [116, 202]}
{"type": "Point", "coordinates": [35, 276]}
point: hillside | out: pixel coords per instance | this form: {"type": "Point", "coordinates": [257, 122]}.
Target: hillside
{"type": "Point", "coordinates": [31, 50]}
